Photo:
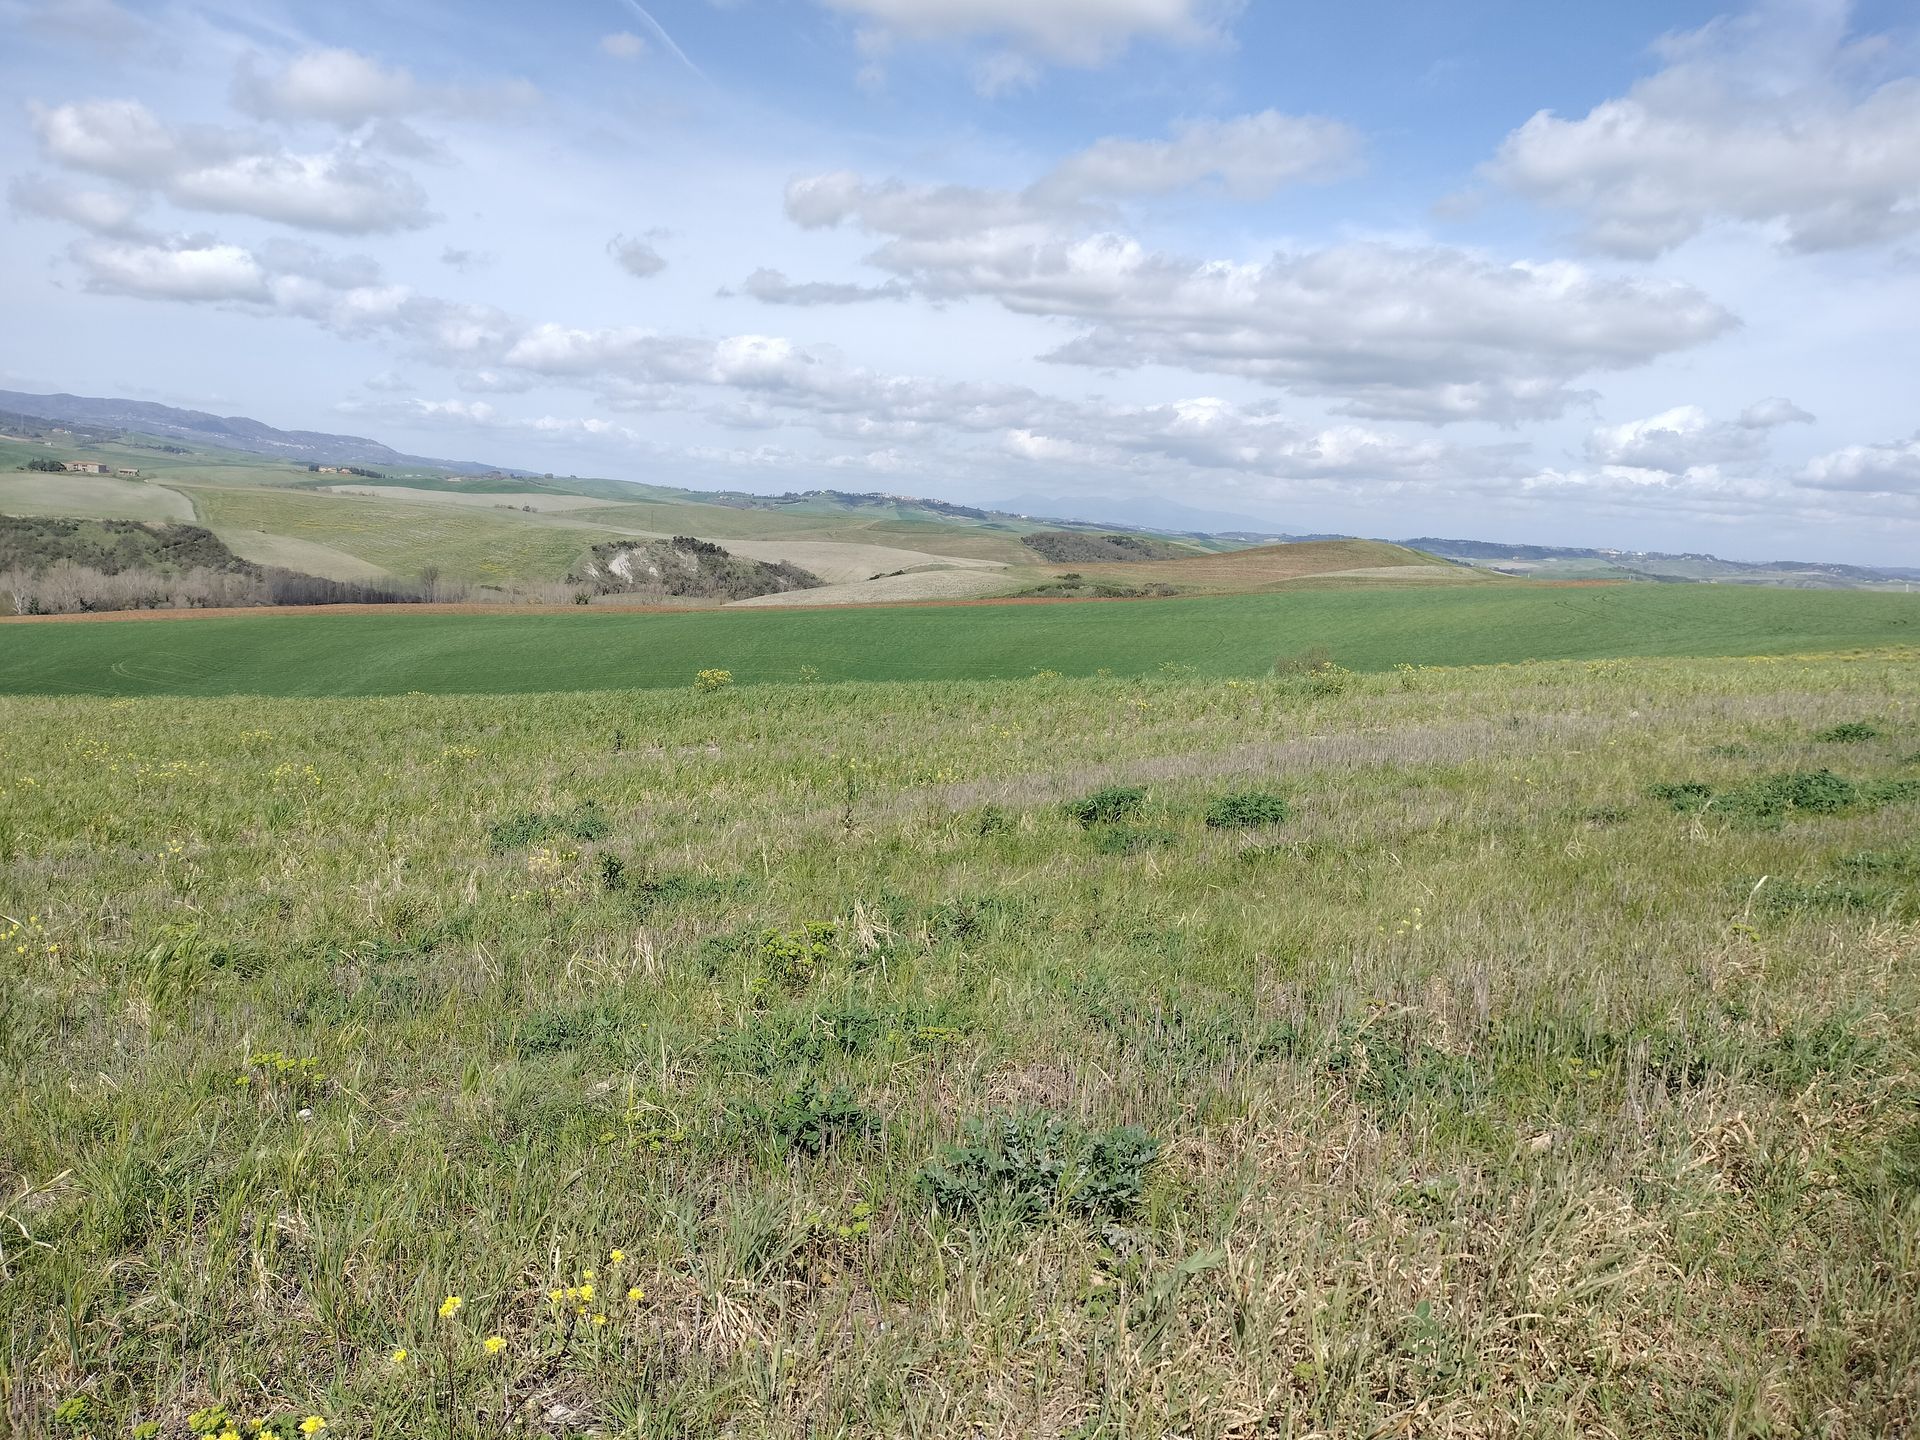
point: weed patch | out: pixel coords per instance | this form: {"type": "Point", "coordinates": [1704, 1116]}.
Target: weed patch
{"type": "Point", "coordinates": [529, 827]}
{"type": "Point", "coordinates": [1105, 807]}
{"type": "Point", "coordinates": [1771, 799]}
{"type": "Point", "coordinates": [1247, 809]}
{"type": "Point", "coordinates": [1036, 1165]}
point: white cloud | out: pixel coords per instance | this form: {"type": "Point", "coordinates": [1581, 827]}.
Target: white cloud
{"type": "Point", "coordinates": [342, 87]}
{"type": "Point", "coordinates": [104, 212]}
{"type": "Point", "coordinates": [1386, 331]}
{"type": "Point", "coordinates": [1752, 121]}
{"type": "Point", "coordinates": [349, 89]}
{"type": "Point", "coordinates": [1774, 411]}
{"type": "Point", "coordinates": [623, 45]}
{"type": "Point", "coordinates": [1892, 469]}
{"type": "Point", "coordinates": [1674, 441]}
{"type": "Point", "coordinates": [1071, 32]}
{"type": "Point", "coordinates": [771, 287]}
{"type": "Point", "coordinates": [635, 256]}
{"type": "Point", "coordinates": [344, 190]}
{"type": "Point", "coordinates": [1249, 156]}
{"type": "Point", "coordinates": [203, 272]}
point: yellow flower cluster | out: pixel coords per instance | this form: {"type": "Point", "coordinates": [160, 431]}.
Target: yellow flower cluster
{"type": "Point", "coordinates": [26, 936]}
{"type": "Point", "coordinates": [581, 1298]}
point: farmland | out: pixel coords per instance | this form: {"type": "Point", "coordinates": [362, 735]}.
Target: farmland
{"type": "Point", "coordinates": [1221, 636]}
{"type": "Point", "coordinates": [1468, 1052]}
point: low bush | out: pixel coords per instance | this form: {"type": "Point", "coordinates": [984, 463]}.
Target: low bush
{"type": "Point", "coordinates": [1036, 1165]}
{"type": "Point", "coordinates": [1104, 807]}
{"type": "Point", "coordinates": [1247, 809]}
{"type": "Point", "coordinates": [1849, 733]}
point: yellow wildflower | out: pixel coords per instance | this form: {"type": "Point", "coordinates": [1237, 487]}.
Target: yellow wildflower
{"type": "Point", "coordinates": [312, 1425]}
{"type": "Point", "coordinates": [599, 1319]}
{"type": "Point", "coordinates": [636, 1293]}
{"type": "Point", "coordinates": [400, 1357]}
{"type": "Point", "coordinates": [449, 1307]}
{"type": "Point", "coordinates": [616, 1256]}
{"type": "Point", "coordinates": [586, 1274]}
{"type": "Point", "coordinates": [585, 1292]}
{"type": "Point", "coordinates": [494, 1344]}
{"type": "Point", "coordinates": [229, 1434]}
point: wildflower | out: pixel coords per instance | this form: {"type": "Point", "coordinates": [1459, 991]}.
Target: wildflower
{"type": "Point", "coordinates": [229, 1434]}
{"type": "Point", "coordinates": [494, 1344]}
{"type": "Point", "coordinates": [450, 1307]}
{"type": "Point", "coordinates": [599, 1319]}
{"type": "Point", "coordinates": [400, 1356]}
{"type": "Point", "coordinates": [586, 1274]}
{"type": "Point", "coordinates": [312, 1425]}
{"type": "Point", "coordinates": [556, 1296]}
{"type": "Point", "coordinates": [585, 1292]}
{"type": "Point", "coordinates": [616, 1256]}
{"type": "Point", "coordinates": [636, 1294]}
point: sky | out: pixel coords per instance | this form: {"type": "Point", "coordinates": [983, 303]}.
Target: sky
{"type": "Point", "coordinates": [1638, 275]}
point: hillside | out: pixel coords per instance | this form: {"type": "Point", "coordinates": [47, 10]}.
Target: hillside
{"type": "Point", "coordinates": [1070, 547]}
{"type": "Point", "coordinates": [1260, 568]}
{"type": "Point", "coordinates": [684, 566]}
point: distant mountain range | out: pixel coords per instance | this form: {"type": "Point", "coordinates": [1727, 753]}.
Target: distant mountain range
{"type": "Point", "coordinates": [1657, 565]}
{"type": "Point", "coordinates": [237, 432]}
{"type": "Point", "coordinates": [230, 432]}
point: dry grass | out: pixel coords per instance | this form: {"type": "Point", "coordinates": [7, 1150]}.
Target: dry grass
{"type": "Point", "coordinates": [1490, 1100]}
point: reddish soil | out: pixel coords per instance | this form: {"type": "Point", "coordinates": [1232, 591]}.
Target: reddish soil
{"type": "Point", "coordinates": [230, 612]}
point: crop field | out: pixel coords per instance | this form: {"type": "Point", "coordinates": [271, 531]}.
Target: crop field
{"type": "Point", "coordinates": [1221, 636]}
{"type": "Point", "coordinates": [91, 497]}
{"type": "Point", "coordinates": [1490, 1052]}
{"type": "Point", "coordinates": [1266, 566]}
{"type": "Point", "coordinates": [402, 539]}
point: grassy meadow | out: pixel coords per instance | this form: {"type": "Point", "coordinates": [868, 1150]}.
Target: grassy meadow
{"type": "Point", "coordinates": [1530, 1050]}
{"type": "Point", "coordinates": [396, 652]}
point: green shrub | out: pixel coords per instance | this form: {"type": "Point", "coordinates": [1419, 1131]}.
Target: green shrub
{"type": "Point", "coordinates": [1035, 1165]}
{"type": "Point", "coordinates": [791, 958]}
{"type": "Point", "coordinates": [1848, 733]}
{"type": "Point", "coordinates": [811, 1120]}
{"type": "Point", "coordinates": [1770, 799]}
{"type": "Point", "coordinates": [1104, 807]}
{"type": "Point", "coordinates": [529, 827]}
{"type": "Point", "coordinates": [1246, 809]}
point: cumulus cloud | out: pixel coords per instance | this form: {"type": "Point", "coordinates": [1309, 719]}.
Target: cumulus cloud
{"type": "Point", "coordinates": [1891, 469]}
{"type": "Point", "coordinates": [1070, 32]}
{"type": "Point", "coordinates": [205, 271]}
{"type": "Point", "coordinates": [1408, 332]}
{"type": "Point", "coordinates": [771, 287]}
{"type": "Point", "coordinates": [346, 189]}
{"type": "Point", "coordinates": [348, 89]}
{"type": "Point", "coordinates": [104, 212]}
{"type": "Point", "coordinates": [1772, 412]}
{"type": "Point", "coordinates": [1753, 120]}
{"type": "Point", "coordinates": [1385, 331]}
{"type": "Point", "coordinates": [636, 256]}
{"type": "Point", "coordinates": [1674, 441]}
{"type": "Point", "coordinates": [1249, 156]}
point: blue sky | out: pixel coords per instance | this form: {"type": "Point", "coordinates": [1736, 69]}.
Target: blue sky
{"type": "Point", "coordinates": [1637, 275]}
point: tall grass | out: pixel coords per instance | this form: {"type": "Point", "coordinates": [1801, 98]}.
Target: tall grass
{"type": "Point", "coordinates": [1480, 1092]}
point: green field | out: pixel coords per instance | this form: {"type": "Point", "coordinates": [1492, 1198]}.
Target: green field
{"type": "Point", "coordinates": [398, 652]}
{"type": "Point", "coordinates": [796, 1062]}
